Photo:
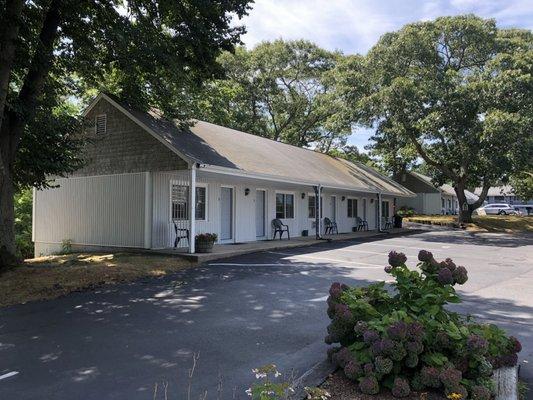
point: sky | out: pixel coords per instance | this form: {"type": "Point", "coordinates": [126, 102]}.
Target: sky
{"type": "Point", "coordinates": [353, 26]}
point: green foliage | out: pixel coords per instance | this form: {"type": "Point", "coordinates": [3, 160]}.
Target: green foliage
{"type": "Point", "coordinates": [23, 223]}
{"type": "Point", "coordinates": [405, 211]}
{"type": "Point", "coordinates": [148, 53]}
{"type": "Point", "coordinates": [408, 340]}
{"type": "Point", "coordinates": [456, 92]}
{"type": "Point", "coordinates": [269, 386]}
{"type": "Point", "coordinates": [522, 183]}
{"type": "Point", "coordinates": [66, 246]}
{"type": "Point", "coordinates": [206, 237]}
{"type": "Point", "coordinates": [282, 90]}
{"type": "Point", "coordinates": [50, 146]}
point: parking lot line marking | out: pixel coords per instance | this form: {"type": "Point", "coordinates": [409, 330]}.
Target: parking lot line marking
{"type": "Point", "coordinates": [369, 265]}
{"type": "Point", "coordinates": [259, 265]}
{"type": "Point", "coordinates": [8, 375]}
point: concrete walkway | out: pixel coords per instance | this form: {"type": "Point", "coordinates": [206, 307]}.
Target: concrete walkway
{"type": "Point", "coordinates": [221, 251]}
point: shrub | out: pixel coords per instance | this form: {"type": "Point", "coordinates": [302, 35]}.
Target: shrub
{"type": "Point", "coordinates": [405, 211]}
{"type": "Point", "coordinates": [206, 237]}
{"type": "Point", "coordinates": [23, 217]}
{"type": "Point", "coordinates": [407, 339]}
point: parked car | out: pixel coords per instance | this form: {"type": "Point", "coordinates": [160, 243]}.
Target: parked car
{"type": "Point", "coordinates": [498, 209]}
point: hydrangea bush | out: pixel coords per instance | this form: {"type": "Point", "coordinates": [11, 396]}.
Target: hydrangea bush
{"type": "Point", "coordinates": [407, 340]}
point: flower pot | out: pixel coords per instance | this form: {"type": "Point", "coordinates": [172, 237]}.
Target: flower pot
{"type": "Point", "coordinates": [203, 246]}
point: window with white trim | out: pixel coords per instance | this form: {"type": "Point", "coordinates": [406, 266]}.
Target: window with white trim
{"type": "Point", "coordinates": [352, 208]}
{"type": "Point", "coordinates": [179, 199]}
{"type": "Point", "coordinates": [311, 206]}
{"type": "Point", "coordinates": [101, 124]}
{"type": "Point", "coordinates": [284, 205]}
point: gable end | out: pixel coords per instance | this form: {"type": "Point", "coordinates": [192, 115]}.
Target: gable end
{"type": "Point", "coordinates": [116, 145]}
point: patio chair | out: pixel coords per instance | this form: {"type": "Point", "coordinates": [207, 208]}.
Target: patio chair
{"type": "Point", "coordinates": [330, 227]}
{"type": "Point", "coordinates": [181, 233]}
{"type": "Point", "coordinates": [386, 223]}
{"type": "Point", "coordinates": [280, 227]}
{"type": "Point", "coordinates": [361, 224]}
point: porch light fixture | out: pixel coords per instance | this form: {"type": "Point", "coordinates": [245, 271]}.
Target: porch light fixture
{"type": "Point", "coordinates": [371, 201]}
{"type": "Point", "coordinates": [343, 198]}
{"type": "Point", "coordinates": [246, 191]}
{"type": "Point", "coordinates": [303, 195]}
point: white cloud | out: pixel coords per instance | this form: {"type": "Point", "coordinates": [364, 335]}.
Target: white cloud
{"type": "Point", "coordinates": [355, 25]}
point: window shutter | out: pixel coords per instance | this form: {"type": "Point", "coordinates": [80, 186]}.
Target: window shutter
{"type": "Point", "coordinates": [101, 124]}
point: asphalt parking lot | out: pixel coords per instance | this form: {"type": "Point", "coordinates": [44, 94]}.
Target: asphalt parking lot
{"type": "Point", "coordinates": [118, 342]}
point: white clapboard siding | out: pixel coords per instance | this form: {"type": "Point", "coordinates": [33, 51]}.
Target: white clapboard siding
{"type": "Point", "coordinates": [99, 210]}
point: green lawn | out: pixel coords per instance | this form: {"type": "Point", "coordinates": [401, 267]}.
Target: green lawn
{"type": "Point", "coordinates": [482, 223]}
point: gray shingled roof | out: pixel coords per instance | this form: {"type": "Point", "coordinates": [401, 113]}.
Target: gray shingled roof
{"type": "Point", "coordinates": [218, 146]}
{"type": "Point", "coordinates": [446, 189]}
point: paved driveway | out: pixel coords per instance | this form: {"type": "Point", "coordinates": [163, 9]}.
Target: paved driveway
{"type": "Point", "coordinates": [118, 342]}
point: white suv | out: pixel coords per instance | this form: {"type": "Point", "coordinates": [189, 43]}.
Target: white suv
{"type": "Point", "coordinates": [499, 209]}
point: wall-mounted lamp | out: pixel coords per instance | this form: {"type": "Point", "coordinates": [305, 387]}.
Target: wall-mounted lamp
{"type": "Point", "coordinates": [246, 192]}
{"type": "Point", "coordinates": [371, 201]}
{"type": "Point", "coordinates": [343, 198]}
{"type": "Point", "coordinates": [303, 195]}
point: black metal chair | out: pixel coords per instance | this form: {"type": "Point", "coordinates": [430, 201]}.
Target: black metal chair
{"type": "Point", "coordinates": [386, 223]}
{"type": "Point", "coordinates": [181, 233]}
{"type": "Point", "coordinates": [330, 226]}
{"type": "Point", "coordinates": [280, 227]}
{"type": "Point", "coordinates": [361, 224]}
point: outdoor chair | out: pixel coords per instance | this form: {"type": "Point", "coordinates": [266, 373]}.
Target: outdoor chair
{"type": "Point", "coordinates": [386, 223]}
{"type": "Point", "coordinates": [330, 226]}
{"type": "Point", "coordinates": [181, 233]}
{"type": "Point", "coordinates": [280, 227]}
{"type": "Point", "coordinates": [361, 224]}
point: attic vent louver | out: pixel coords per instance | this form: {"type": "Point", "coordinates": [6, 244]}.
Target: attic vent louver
{"type": "Point", "coordinates": [101, 124]}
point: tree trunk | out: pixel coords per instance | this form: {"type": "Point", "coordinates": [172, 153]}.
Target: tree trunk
{"type": "Point", "coordinates": [8, 37]}
{"type": "Point", "coordinates": [13, 125]}
{"type": "Point", "coordinates": [465, 216]}
{"type": "Point", "coordinates": [7, 216]}
{"type": "Point", "coordinates": [465, 209]}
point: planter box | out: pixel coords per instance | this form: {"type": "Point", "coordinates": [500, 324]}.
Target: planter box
{"type": "Point", "coordinates": [203, 247]}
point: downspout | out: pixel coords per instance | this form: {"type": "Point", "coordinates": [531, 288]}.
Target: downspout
{"type": "Point", "coordinates": [192, 207]}
{"type": "Point", "coordinates": [379, 213]}
{"type": "Point", "coordinates": [318, 214]}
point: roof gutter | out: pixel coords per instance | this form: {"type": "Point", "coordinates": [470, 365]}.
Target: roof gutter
{"type": "Point", "coordinates": [274, 178]}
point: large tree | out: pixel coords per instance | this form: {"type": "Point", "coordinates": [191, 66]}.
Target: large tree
{"type": "Point", "coordinates": [459, 91]}
{"type": "Point", "coordinates": [282, 90]}
{"type": "Point", "coordinates": [50, 50]}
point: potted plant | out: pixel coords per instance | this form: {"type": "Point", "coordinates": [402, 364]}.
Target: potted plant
{"type": "Point", "coordinates": [203, 242]}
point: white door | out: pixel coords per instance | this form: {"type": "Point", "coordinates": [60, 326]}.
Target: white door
{"type": "Point", "coordinates": [364, 210]}
{"type": "Point", "coordinates": [334, 208]}
{"type": "Point", "coordinates": [260, 213]}
{"type": "Point", "coordinates": [226, 213]}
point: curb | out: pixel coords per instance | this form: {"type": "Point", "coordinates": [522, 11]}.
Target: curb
{"type": "Point", "coordinates": [214, 256]}
{"type": "Point", "coordinates": [313, 377]}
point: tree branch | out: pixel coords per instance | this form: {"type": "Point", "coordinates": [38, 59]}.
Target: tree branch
{"type": "Point", "coordinates": [482, 195]}
{"type": "Point", "coordinates": [8, 36]}
{"type": "Point", "coordinates": [447, 171]}
{"type": "Point", "coordinates": [34, 81]}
